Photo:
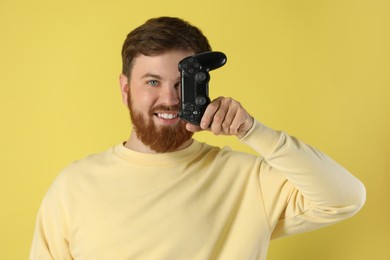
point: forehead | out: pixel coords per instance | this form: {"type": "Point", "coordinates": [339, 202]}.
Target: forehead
{"type": "Point", "coordinates": [160, 64]}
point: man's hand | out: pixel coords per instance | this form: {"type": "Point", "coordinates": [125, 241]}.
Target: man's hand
{"type": "Point", "coordinates": [224, 116]}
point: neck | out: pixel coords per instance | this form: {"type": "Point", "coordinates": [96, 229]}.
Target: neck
{"type": "Point", "coordinates": [135, 144]}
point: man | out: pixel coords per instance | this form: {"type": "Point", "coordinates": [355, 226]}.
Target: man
{"type": "Point", "coordinates": [163, 195]}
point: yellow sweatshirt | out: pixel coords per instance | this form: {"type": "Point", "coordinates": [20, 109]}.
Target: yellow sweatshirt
{"type": "Point", "coordinates": [202, 202]}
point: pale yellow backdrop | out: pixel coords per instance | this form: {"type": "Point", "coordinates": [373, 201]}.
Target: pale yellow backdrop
{"type": "Point", "coordinates": [319, 70]}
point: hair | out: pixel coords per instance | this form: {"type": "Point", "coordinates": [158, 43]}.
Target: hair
{"type": "Point", "coordinates": [158, 35]}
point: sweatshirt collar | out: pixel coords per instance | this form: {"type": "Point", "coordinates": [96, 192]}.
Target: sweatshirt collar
{"type": "Point", "coordinates": [159, 158]}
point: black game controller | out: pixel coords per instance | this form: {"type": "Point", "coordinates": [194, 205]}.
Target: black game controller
{"type": "Point", "coordinates": [195, 79]}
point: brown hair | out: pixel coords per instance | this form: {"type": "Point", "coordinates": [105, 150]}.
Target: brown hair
{"type": "Point", "coordinates": [158, 35]}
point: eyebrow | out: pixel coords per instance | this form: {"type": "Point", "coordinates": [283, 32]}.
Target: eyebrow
{"type": "Point", "coordinates": [151, 75]}
{"type": "Point", "coordinates": [156, 76]}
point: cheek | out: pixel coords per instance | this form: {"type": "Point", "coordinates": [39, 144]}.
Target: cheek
{"type": "Point", "coordinates": [141, 99]}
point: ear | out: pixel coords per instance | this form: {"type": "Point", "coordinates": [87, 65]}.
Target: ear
{"type": "Point", "coordinates": [124, 85]}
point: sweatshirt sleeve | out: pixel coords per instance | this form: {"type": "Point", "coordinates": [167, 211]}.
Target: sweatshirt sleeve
{"type": "Point", "coordinates": [302, 188]}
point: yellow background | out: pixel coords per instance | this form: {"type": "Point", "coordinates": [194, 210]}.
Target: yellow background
{"type": "Point", "coordinates": [316, 69]}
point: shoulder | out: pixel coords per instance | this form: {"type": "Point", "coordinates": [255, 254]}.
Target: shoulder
{"type": "Point", "coordinates": [82, 170]}
{"type": "Point", "coordinates": [228, 157]}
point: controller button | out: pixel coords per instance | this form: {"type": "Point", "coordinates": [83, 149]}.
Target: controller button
{"type": "Point", "coordinates": [200, 76]}
{"type": "Point", "coordinates": [201, 101]}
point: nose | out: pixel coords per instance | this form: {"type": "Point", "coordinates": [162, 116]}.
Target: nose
{"type": "Point", "coordinates": [170, 94]}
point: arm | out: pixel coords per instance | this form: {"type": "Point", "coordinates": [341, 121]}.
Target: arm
{"type": "Point", "coordinates": [303, 189]}
{"type": "Point", "coordinates": [319, 191]}
{"type": "Point", "coordinates": [49, 241]}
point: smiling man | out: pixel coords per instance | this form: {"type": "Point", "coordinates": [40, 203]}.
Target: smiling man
{"type": "Point", "coordinates": [163, 195]}
{"type": "Point", "coordinates": [152, 93]}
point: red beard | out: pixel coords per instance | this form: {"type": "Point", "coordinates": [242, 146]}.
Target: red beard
{"type": "Point", "coordinates": [160, 139]}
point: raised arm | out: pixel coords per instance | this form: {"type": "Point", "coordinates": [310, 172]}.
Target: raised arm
{"type": "Point", "coordinates": [303, 189]}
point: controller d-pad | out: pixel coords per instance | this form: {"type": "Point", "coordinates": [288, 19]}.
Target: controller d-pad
{"type": "Point", "coordinates": [191, 66]}
{"type": "Point", "coordinates": [192, 112]}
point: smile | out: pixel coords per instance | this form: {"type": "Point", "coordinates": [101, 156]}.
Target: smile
{"type": "Point", "coordinates": [166, 115]}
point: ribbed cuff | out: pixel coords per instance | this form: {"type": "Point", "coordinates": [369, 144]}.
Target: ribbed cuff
{"type": "Point", "coordinates": [261, 138]}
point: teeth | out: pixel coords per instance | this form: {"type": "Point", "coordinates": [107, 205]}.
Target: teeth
{"type": "Point", "coordinates": [167, 116]}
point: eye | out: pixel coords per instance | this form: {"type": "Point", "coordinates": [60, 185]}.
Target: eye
{"type": "Point", "coordinates": [153, 82]}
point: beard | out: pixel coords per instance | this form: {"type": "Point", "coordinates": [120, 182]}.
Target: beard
{"type": "Point", "coordinates": [160, 139]}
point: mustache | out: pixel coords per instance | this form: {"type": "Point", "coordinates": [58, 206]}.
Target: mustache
{"type": "Point", "coordinates": [175, 108]}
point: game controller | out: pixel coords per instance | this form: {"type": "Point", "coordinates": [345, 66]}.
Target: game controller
{"type": "Point", "coordinates": [195, 77]}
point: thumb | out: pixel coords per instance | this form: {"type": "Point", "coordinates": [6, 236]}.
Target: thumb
{"type": "Point", "coordinates": [193, 128]}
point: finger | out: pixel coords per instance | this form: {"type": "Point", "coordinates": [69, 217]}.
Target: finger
{"type": "Point", "coordinates": [208, 115]}
{"type": "Point", "coordinates": [231, 114]}
{"type": "Point", "coordinates": [238, 121]}
{"type": "Point", "coordinates": [219, 117]}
